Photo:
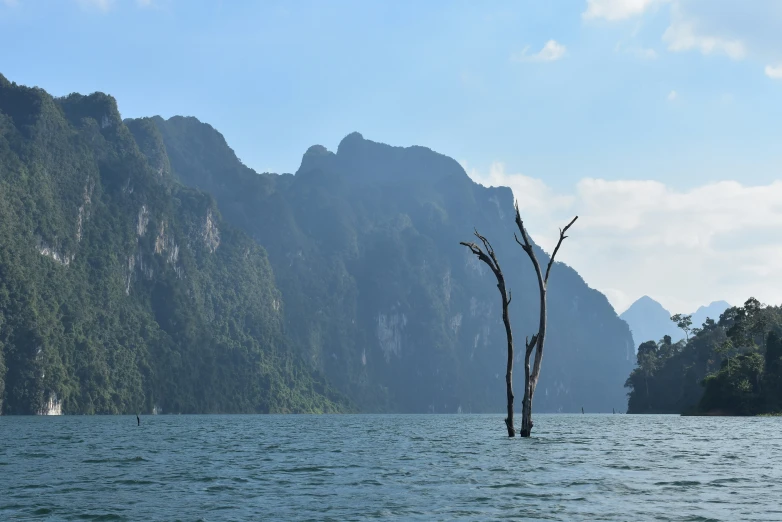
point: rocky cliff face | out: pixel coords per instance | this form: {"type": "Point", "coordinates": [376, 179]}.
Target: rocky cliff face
{"type": "Point", "coordinates": [121, 290]}
{"type": "Point", "coordinates": [379, 294]}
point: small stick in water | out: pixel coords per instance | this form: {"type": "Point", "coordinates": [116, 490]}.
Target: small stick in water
{"type": "Point", "coordinates": [138, 420]}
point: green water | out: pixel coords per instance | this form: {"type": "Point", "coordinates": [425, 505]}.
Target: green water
{"type": "Point", "coordinates": [391, 467]}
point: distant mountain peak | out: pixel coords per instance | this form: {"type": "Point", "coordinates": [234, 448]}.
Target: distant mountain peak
{"type": "Point", "coordinates": [650, 321]}
{"type": "Point", "coordinates": [360, 158]}
{"type": "Point", "coordinates": [715, 304]}
{"type": "Point", "coordinates": [317, 157]}
{"type": "Point", "coordinates": [99, 106]}
{"type": "Point", "coordinates": [354, 136]}
{"type": "Point", "coordinates": [318, 150]}
{"type": "Point", "coordinates": [712, 311]}
{"type": "Point", "coordinates": [645, 303]}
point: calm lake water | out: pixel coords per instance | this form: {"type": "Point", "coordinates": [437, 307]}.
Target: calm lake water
{"type": "Point", "coordinates": [404, 467]}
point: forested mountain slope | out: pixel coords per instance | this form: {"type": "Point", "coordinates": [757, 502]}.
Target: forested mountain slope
{"type": "Point", "coordinates": [122, 291]}
{"type": "Point", "coordinates": [379, 294]}
{"type": "Point", "coordinates": [729, 366]}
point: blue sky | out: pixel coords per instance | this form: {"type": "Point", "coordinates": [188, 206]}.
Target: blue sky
{"type": "Point", "coordinates": [541, 96]}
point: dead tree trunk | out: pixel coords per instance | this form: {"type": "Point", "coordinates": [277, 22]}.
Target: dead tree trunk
{"type": "Point", "coordinates": [536, 344]}
{"type": "Point", "coordinates": [491, 260]}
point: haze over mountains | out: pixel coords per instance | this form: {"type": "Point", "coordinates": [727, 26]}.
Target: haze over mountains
{"type": "Point", "coordinates": [144, 267]}
{"type": "Point", "coordinates": [379, 294]}
{"type": "Point", "coordinates": [649, 321]}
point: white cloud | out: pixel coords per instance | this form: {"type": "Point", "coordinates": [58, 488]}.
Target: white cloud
{"type": "Point", "coordinates": [750, 29]}
{"type": "Point", "coordinates": [614, 10]}
{"type": "Point", "coordinates": [687, 248]}
{"type": "Point", "coordinates": [641, 53]}
{"type": "Point", "coordinates": [102, 5]}
{"type": "Point", "coordinates": [532, 193]}
{"type": "Point", "coordinates": [684, 35]}
{"type": "Point", "coordinates": [551, 52]}
{"type": "Point", "coordinates": [774, 72]}
{"type": "Point", "coordinates": [10, 3]}
{"type": "Point", "coordinates": [644, 54]}
{"type": "Point", "coordinates": [153, 4]}
{"type": "Point", "coordinates": [106, 5]}
{"type": "Point", "coordinates": [672, 95]}
{"type": "Point", "coordinates": [736, 29]}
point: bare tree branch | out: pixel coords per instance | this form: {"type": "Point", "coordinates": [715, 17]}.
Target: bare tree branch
{"type": "Point", "coordinates": [483, 257]}
{"type": "Point", "coordinates": [562, 237]}
{"type": "Point", "coordinates": [537, 343]}
{"type": "Point", "coordinates": [531, 344]}
{"type": "Point", "coordinates": [494, 264]}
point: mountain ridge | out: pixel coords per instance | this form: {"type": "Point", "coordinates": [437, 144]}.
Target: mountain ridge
{"type": "Point", "coordinates": [650, 321]}
{"type": "Point", "coordinates": [329, 227]}
{"type": "Point", "coordinates": [213, 281]}
{"type": "Point", "coordinates": [119, 287]}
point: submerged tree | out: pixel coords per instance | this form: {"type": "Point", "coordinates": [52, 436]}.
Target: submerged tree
{"type": "Point", "coordinates": [536, 343]}
{"type": "Point", "coordinates": [491, 260]}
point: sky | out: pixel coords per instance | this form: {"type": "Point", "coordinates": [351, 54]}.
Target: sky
{"type": "Point", "coordinates": [658, 122]}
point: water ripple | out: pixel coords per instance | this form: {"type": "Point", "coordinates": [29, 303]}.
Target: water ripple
{"type": "Point", "coordinates": [577, 467]}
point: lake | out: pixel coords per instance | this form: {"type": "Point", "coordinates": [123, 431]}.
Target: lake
{"type": "Point", "coordinates": [403, 467]}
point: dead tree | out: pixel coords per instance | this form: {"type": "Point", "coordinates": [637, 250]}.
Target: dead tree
{"type": "Point", "coordinates": [491, 260]}
{"type": "Point", "coordinates": [536, 344]}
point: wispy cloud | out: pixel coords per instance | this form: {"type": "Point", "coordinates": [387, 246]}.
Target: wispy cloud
{"type": "Point", "coordinates": [107, 5]}
{"type": "Point", "coordinates": [154, 4]}
{"type": "Point", "coordinates": [614, 10]}
{"type": "Point", "coordinates": [683, 35]}
{"type": "Point", "coordinates": [551, 52]}
{"type": "Point", "coordinates": [101, 5]}
{"type": "Point", "coordinates": [532, 193]}
{"type": "Point", "coordinates": [642, 53]}
{"type": "Point", "coordinates": [672, 95]}
{"type": "Point", "coordinates": [774, 72]}
{"type": "Point", "coordinates": [711, 27]}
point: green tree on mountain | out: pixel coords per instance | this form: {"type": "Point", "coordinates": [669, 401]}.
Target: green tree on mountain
{"type": "Point", "coordinates": [122, 290]}
{"type": "Point", "coordinates": [731, 366]}
{"type": "Point", "coordinates": [684, 322]}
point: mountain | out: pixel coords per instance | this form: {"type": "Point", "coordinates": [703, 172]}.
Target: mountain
{"type": "Point", "coordinates": [712, 311]}
{"type": "Point", "coordinates": [709, 375]}
{"type": "Point", "coordinates": [649, 321]}
{"type": "Point", "coordinates": [121, 290]}
{"type": "Point", "coordinates": [381, 298]}
{"type": "Point", "coordinates": [144, 268]}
